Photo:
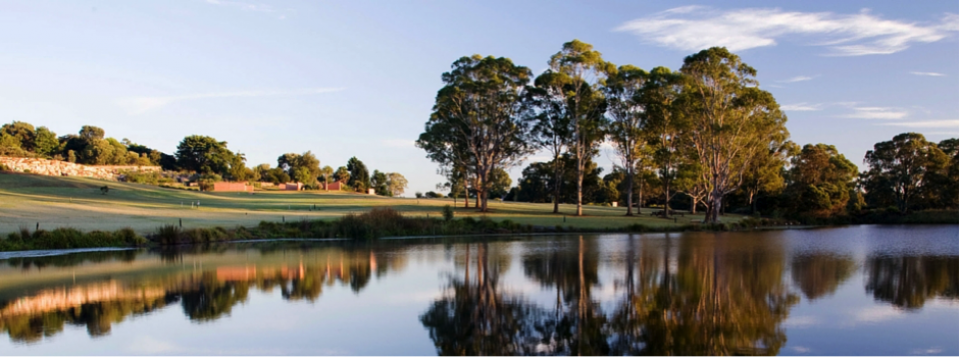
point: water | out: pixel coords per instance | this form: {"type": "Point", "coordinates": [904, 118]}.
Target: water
{"type": "Point", "coordinates": [857, 290]}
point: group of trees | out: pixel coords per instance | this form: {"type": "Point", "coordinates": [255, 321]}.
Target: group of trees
{"type": "Point", "coordinates": [709, 120]}
{"type": "Point", "coordinates": [207, 157]}
{"type": "Point", "coordinates": [705, 136]}
{"type": "Point", "coordinates": [89, 146]}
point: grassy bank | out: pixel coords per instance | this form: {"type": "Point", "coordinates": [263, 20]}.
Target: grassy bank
{"type": "Point", "coordinates": [377, 223]}
{"type": "Point", "coordinates": [71, 202]}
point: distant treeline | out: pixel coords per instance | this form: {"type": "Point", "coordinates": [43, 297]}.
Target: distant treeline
{"type": "Point", "coordinates": [207, 158]}
{"type": "Point", "coordinates": [705, 137]}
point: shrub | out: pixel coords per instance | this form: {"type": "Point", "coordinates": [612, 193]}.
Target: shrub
{"type": "Point", "coordinates": [447, 213]}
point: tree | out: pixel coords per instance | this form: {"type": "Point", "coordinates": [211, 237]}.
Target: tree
{"type": "Point", "coordinates": [902, 166]}
{"type": "Point", "coordinates": [665, 127]}
{"type": "Point", "coordinates": [203, 154]}
{"type": "Point", "coordinates": [238, 168]}
{"type": "Point", "coordinates": [89, 132]}
{"type": "Point", "coordinates": [950, 185]}
{"type": "Point", "coordinates": [765, 173]}
{"type": "Point", "coordinates": [627, 125]}
{"type": "Point", "coordinates": [396, 184]}
{"type": "Point", "coordinates": [304, 168]}
{"type": "Point", "coordinates": [21, 135]}
{"type": "Point", "coordinates": [342, 175]}
{"type": "Point", "coordinates": [819, 181]}
{"type": "Point", "coordinates": [45, 142]}
{"type": "Point", "coordinates": [499, 183]}
{"type": "Point", "coordinates": [732, 121]}
{"type": "Point", "coordinates": [359, 177]}
{"type": "Point", "coordinates": [327, 174]}
{"type": "Point", "coordinates": [479, 117]}
{"type": "Point", "coordinates": [379, 183]}
{"type": "Point", "coordinates": [571, 86]}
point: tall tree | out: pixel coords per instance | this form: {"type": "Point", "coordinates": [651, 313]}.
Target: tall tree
{"type": "Point", "coordinates": [45, 142]}
{"type": "Point", "coordinates": [765, 173]}
{"type": "Point", "coordinates": [327, 174]}
{"type": "Point", "coordinates": [478, 114]}
{"type": "Point", "coordinates": [499, 183]}
{"type": "Point", "coordinates": [396, 184]}
{"type": "Point", "coordinates": [819, 181]}
{"type": "Point", "coordinates": [950, 186]}
{"type": "Point", "coordinates": [571, 86]}
{"type": "Point", "coordinates": [903, 166]}
{"type": "Point", "coordinates": [665, 127]}
{"type": "Point", "coordinates": [359, 177]}
{"type": "Point", "coordinates": [342, 175]}
{"type": "Point", "coordinates": [379, 183]}
{"type": "Point", "coordinates": [202, 154]}
{"type": "Point", "coordinates": [732, 120]}
{"type": "Point", "coordinates": [627, 125]}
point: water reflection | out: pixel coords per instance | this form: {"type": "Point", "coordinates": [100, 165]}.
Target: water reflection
{"type": "Point", "coordinates": [658, 294]}
{"type": "Point", "coordinates": [204, 295]}
{"type": "Point", "coordinates": [909, 281]}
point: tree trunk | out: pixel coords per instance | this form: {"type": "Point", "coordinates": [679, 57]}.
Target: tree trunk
{"type": "Point", "coordinates": [579, 190]}
{"type": "Point", "coordinates": [483, 200]}
{"type": "Point", "coordinates": [556, 185]}
{"type": "Point", "coordinates": [693, 205]}
{"type": "Point", "coordinates": [630, 194]}
{"type": "Point", "coordinates": [753, 204]}
{"type": "Point", "coordinates": [640, 197]}
{"type": "Point", "coordinates": [715, 210]}
{"type": "Point", "coordinates": [666, 198]}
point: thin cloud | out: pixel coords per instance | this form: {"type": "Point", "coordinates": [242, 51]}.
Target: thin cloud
{"type": "Point", "coordinates": [693, 28]}
{"type": "Point", "coordinates": [876, 113]}
{"type": "Point", "coordinates": [796, 79]}
{"type": "Point", "coordinates": [928, 74]}
{"type": "Point", "coordinates": [800, 107]}
{"type": "Point", "coordinates": [140, 105]}
{"type": "Point", "coordinates": [949, 123]}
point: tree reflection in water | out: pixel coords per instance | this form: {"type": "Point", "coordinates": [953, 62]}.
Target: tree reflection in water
{"type": "Point", "coordinates": [708, 297]}
{"type": "Point", "coordinates": [204, 295]}
{"type": "Point", "coordinates": [909, 281]}
{"type": "Point", "coordinates": [819, 275]}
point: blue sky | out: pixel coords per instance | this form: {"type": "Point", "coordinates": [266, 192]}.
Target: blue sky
{"type": "Point", "coordinates": [358, 79]}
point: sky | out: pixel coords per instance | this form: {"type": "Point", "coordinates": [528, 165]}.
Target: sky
{"type": "Point", "coordinates": [352, 78]}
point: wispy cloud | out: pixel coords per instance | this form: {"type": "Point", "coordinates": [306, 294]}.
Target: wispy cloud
{"type": "Point", "coordinates": [693, 28]}
{"type": "Point", "coordinates": [801, 107]}
{"type": "Point", "coordinates": [876, 113]}
{"type": "Point", "coordinates": [140, 105]}
{"type": "Point", "coordinates": [949, 123]}
{"type": "Point", "coordinates": [796, 79]}
{"type": "Point", "coordinates": [929, 74]}
{"type": "Point", "coordinates": [877, 314]}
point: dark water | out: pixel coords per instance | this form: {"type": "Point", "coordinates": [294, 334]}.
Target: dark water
{"type": "Point", "coordinates": [850, 291]}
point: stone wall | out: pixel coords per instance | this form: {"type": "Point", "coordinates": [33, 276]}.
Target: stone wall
{"type": "Point", "coordinates": [63, 168]}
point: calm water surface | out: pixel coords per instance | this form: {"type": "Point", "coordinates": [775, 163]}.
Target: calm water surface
{"type": "Point", "coordinates": [850, 291]}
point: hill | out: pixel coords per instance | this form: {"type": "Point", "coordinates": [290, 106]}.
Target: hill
{"type": "Point", "coordinates": [53, 202]}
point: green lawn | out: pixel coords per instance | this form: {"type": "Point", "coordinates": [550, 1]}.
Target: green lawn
{"type": "Point", "coordinates": [76, 202]}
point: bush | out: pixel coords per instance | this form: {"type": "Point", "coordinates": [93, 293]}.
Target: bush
{"type": "Point", "coordinates": [145, 178]}
{"type": "Point", "coordinates": [447, 213]}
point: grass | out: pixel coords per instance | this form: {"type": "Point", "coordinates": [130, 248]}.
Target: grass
{"type": "Point", "coordinates": [73, 202]}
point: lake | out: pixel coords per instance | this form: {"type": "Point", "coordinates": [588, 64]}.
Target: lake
{"type": "Point", "coordinates": [874, 290]}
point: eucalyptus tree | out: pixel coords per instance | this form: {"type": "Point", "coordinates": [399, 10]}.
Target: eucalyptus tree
{"type": "Point", "coordinates": [732, 121]}
{"type": "Point", "coordinates": [479, 115]}
{"type": "Point", "coordinates": [665, 126]}
{"type": "Point", "coordinates": [627, 125]}
{"type": "Point", "coordinates": [359, 177]}
{"type": "Point", "coordinates": [571, 87]}
{"type": "Point", "coordinates": [903, 166]}
{"type": "Point", "coordinates": [765, 173]}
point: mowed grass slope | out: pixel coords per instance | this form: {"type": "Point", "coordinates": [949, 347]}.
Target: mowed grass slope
{"type": "Point", "coordinates": [26, 200]}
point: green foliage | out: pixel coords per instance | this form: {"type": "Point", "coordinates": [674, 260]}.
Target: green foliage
{"type": "Point", "coordinates": [359, 177]}
{"type": "Point", "coordinates": [820, 182]}
{"type": "Point", "coordinates": [447, 213]}
{"type": "Point", "coordinates": [69, 238]}
{"type": "Point", "coordinates": [462, 137]}
{"type": "Point", "coordinates": [141, 177]}
{"type": "Point", "coordinates": [304, 168]}
{"type": "Point", "coordinates": [911, 172]}
{"type": "Point", "coordinates": [203, 154]}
